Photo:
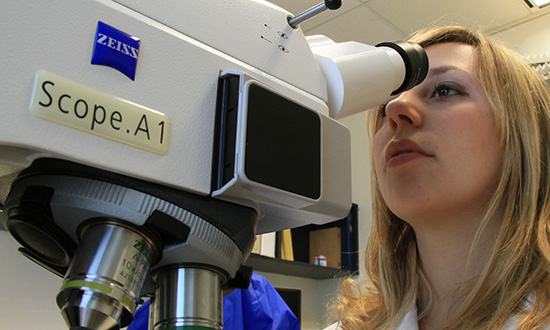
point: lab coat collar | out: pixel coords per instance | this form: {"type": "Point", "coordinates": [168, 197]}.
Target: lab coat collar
{"type": "Point", "coordinates": [410, 321]}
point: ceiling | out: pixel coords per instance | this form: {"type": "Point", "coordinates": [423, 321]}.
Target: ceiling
{"type": "Point", "coordinates": [374, 21]}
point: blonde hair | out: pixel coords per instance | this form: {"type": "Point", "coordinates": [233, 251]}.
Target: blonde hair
{"type": "Point", "coordinates": [519, 265]}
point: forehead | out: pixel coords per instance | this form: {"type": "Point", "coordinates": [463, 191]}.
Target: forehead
{"type": "Point", "coordinates": [460, 55]}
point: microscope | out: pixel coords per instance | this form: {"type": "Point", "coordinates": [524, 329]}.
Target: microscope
{"type": "Point", "coordinates": [144, 144]}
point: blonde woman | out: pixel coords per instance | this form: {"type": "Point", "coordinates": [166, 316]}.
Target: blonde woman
{"type": "Point", "coordinates": [461, 227]}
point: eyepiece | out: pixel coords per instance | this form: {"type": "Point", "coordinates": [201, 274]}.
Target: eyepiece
{"type": "Point", "coordinates": [416, 63]}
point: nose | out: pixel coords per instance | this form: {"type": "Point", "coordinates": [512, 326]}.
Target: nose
{"type": "Point", "coordinates": [403, 112]}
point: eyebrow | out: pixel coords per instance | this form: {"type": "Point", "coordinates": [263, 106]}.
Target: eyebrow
{"type": "Point", "coordinates": [438, 70]}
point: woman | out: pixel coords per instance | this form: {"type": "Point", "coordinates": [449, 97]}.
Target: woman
{"type": "Point", "coordinates": [461, 228]}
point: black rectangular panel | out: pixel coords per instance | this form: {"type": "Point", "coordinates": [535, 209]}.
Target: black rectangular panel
{"type": "Point", "coordinates": [283, 143]}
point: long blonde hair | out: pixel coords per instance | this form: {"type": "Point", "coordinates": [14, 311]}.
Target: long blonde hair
{"type": "Point", "coordinates": [519, 265]}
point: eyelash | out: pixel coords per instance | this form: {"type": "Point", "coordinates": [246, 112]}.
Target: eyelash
{"type": "Point", "coordinates": [451, 91]}
{"type": "Point", "coordinates": [381, 110]}
{"type": "Point", "coordinates": [446, 86]}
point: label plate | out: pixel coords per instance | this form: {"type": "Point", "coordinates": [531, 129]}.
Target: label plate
{"type": "Point", "coordinates": [66, 102]}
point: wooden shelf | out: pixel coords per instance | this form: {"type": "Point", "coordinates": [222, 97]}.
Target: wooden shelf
{"type": "Point", "coordinates": [293, 268]}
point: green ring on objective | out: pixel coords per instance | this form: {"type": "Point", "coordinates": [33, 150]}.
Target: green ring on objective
{"type": "Point", "coordinates": [91, 285]}
{"type": "Point", "coordinates": [98, 287]}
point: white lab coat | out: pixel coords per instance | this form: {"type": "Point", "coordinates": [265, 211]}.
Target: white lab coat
{"type": "Point", "coordinates": [410, 321]}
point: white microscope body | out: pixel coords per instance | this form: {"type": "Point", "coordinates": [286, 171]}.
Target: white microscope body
{"type": "Point", "coordinates": [144, 144]}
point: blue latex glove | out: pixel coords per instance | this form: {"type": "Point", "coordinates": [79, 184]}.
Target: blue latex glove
{"type": "Point", "coordinates": [258, 308]}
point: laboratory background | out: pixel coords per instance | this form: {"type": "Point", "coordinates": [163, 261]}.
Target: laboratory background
{"type": "Point", "coordinates": [28, 294]}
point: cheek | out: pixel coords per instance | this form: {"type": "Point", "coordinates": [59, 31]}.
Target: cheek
{"type": "Point", "coordinates": [476, 136]}
{"type": "Point", "coordinates": [378, 147]}
{"type": "Point", "coordinates": [473, 144]}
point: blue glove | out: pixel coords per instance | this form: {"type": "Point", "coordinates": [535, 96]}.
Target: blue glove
{"type": "Point", "coordinates": [258, 308]}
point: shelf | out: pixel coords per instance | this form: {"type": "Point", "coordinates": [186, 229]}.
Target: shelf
{"type": "Point", "coordinates": [293, 268]}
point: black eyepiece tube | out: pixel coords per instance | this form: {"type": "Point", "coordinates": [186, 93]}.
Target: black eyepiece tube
{"type": "Point", "coordinates": [416, 63]}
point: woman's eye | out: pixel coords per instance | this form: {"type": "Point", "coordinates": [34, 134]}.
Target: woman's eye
{"type": "Point", "coordinates": [444, 90]}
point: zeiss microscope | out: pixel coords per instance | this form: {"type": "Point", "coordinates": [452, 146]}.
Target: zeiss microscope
{"type": "Point", "coordinates": [144, 144]}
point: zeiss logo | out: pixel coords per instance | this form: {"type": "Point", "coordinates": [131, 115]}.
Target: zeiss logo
{"type": "Point", "coordinates": [116, 49]}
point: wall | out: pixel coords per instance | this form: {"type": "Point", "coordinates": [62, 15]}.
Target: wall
{"type": "Point", "coordinates": [529, 38]}
{"type": "Point", "coordinates": [361, 183]}
{"type": "Point", "coordinates": [28, 292]}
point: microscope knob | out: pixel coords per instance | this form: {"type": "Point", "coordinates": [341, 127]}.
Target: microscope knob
{"type": "Point", "coordinates": [328, 4]}
{"type": "Point", "coordinates": [333, 4]}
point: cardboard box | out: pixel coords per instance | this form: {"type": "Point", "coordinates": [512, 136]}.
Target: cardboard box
{"type": "Point", "coordinates": [326, 242]}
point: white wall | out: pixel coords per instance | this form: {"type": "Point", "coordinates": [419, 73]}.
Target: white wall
{"type": "Point", "coordinates": [27, 293]}
{"type": "Point", "coordinates": [529, 38]}
{"type": "Point", "coordinates": [361, 182]}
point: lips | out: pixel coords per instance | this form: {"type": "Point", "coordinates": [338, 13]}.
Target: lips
{"type": "Point", "coordinates": [403, 151]}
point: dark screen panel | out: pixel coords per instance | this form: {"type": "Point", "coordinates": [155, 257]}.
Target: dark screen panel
{"type": "Point", "coordinates": [283, 143]}
{"type": "Point", "coordinates": [293, 298]}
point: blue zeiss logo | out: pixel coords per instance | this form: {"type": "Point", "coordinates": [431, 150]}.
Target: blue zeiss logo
{"type": "Point", "coordinates": [116, 49]}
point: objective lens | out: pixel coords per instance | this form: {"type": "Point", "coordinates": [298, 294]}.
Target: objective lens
{"type": "Point", "coordinates": [104, 281]}
{"type": "Point", "coordinates": [187, 298]}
